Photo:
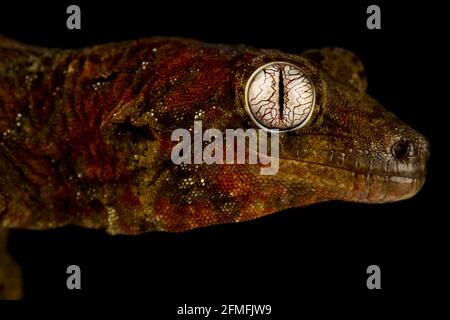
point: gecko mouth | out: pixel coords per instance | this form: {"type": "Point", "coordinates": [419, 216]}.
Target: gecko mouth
{"type": "Point", "coordinates": [395, 162]}
{"type": "Point", "coordinates": [406, 175]}
{"type": "Point", "coordinates": [376, 188]}
{"type": "Point", "coordinates": [340, 182]}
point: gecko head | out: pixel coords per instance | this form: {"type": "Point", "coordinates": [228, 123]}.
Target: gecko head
{"type": "Point", "coordinates": [335, 141]}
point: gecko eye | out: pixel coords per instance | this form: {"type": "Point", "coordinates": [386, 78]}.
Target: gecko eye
{"type": "Point", "coordinates": [279, 96]}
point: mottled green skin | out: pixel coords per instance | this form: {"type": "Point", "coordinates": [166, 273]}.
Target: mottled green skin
{"type": "Point", "coordinates": [92, 147]}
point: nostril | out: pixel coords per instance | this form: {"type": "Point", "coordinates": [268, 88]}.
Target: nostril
{"type": "Point", "coordinates": [403, 148]}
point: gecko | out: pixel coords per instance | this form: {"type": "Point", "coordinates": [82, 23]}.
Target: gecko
{"type": "Point", "coordinates": [85, 136]}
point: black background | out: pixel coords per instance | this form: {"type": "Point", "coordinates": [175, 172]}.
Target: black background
{"type": "Point", "coordinates": [319, 253]}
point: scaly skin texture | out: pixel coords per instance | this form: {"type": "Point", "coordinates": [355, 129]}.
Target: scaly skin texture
{"type": "Point", "coordinates": [85, 137]}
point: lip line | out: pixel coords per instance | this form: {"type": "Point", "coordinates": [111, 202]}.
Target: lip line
{"type": "Point", "coordinates": [357, 171]}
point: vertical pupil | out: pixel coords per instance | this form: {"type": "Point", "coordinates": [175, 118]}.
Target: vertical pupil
{"type": "Point", "coordinates": [281, 92]}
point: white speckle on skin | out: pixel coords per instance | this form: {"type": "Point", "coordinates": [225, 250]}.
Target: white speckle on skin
{"type": "Point", "coordinates": [144, 65]}
{"type": "Point", "coordinates": [112, 220]}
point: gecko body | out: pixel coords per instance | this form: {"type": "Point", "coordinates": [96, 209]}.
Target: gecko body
{"type": "Point", "coordinates": [85, 136]}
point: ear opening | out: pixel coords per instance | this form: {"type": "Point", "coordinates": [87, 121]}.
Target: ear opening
{"type": "Point", "coordinates": [132, 132]}
{"type": "Point", "coordinates": [129, 126]}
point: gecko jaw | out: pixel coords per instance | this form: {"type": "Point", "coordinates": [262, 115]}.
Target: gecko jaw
{"type": "Point", "coordinates": [339, 183]}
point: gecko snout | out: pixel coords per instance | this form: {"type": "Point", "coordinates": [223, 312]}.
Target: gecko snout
{"type": "Point", "coordinates": [410, 147]}
{"type": "Point", "coordinates": [410, 151]}
{"type": "Point", "coordinates": [402, 149]}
